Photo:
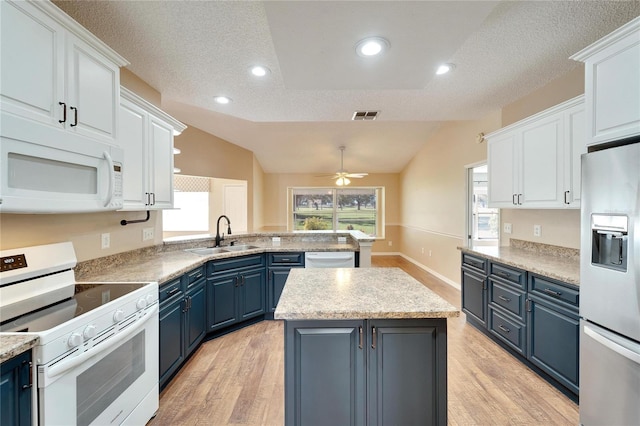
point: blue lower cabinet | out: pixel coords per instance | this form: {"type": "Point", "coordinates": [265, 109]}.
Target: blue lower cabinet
{"type": "Point", "coordinates": [182, 321]}
{"type": "Point", "coordinates": [235, 297]}
{"type": "Point", "coordinates": [553, 340]}
{"type": "Point", "coordinates": [15, 388]}
{"type": "Point", "coordinates": [370, 372]}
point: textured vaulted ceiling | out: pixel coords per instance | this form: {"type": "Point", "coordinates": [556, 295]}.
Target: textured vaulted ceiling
{"type": "Point", "coordinates": [294, 120]}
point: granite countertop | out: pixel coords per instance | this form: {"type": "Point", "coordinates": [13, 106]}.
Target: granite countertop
{"type": "Point", "coordinates": [162, 264]}
{"type": "Point", "coordinates": [560, 263]}
{"type": "Point", "coordinates": [367, 293]}
{"type": "Point", "coordinates": [14, 344]}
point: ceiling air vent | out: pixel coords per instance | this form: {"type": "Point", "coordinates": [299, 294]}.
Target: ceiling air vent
{"type": "Point", "coordinates": [365, 115]}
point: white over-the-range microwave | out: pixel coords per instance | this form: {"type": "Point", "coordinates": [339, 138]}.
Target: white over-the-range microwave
{"type": "Point", "coordinates": [48, 170]}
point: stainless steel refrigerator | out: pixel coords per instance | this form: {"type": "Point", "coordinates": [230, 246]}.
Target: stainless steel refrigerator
{"type": "Point", "coordinates": [610, 287]}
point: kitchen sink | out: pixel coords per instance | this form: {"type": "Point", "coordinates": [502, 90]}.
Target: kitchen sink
{"type": "Point", "coordinates": [240, 247]}
{"type": "Point", "coordinates": [207, 251]}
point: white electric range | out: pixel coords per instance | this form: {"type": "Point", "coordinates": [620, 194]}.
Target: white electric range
{"type": "Point", "coordinates": [96, 360]}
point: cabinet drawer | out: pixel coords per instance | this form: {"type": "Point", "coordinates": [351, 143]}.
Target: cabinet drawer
{"type": "Point", "coordinates": [289, 259]}
{"type": "Point", "coordinates": [508, 330]}
{"type": "Point", "coordinates": [508, 298]}
{"type": "Point", "coordinates": [509, 274]}
{"type": "Point", "coordinates": [171, 289]}
{"type": "Point", "coordinates": [554, 289]}
{"type": "Point", "coordinates": [194, 275]}
{"type": "Point", "coordinates": [474, 262]}
{"type": "Point", "coordinates": [216, 266]}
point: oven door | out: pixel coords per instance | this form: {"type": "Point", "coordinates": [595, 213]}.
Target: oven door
{"type": "Point", "coordinates": [113, 382]}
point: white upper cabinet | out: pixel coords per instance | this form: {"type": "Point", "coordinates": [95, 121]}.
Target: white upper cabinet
{"type": "Point", "coordinates": [56, 73]}
{"type": "Point", "coordinates": [535, 163]}
{"type": "Point", "coordinates": [612, 85]}
{"type": "Point", "coordinates": [147, 138]}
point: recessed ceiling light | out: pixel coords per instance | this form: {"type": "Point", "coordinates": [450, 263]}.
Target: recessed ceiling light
{"type": "Point", "coordinates": [372, 46]}
{"type": "Point", "coordinates": [445, 68]}
{"type": "Point", "coordinates": [222, 100]}
{"type": "Point", "coordinates": [259, 71]}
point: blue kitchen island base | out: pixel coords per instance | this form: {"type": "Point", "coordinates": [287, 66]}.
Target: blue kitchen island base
{"type": "Point", "coordinates": [366, 372]}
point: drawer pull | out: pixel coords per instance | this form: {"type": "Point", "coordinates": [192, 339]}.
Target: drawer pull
{"type": "Point", "coordinates": [374, 338]}
{"type": "Point", "coordinates": [552, 293]}
{"type": "Point", "coordinates": [506, 299]}
{"type": "Point", "coordinates": [173, 291]}
{"type": "Point", "coordinates": [285, 260]}
{"type": "Point", "coordinates": [503, 328]}
{"type": "Point", "coordinates": [361, 341]}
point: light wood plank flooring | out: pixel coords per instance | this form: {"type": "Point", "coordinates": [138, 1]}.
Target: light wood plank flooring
{"type": "Point", "coordinates": [238, 379]}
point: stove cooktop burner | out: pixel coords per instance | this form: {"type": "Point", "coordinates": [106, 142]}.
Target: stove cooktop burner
{"type": "Point", "coordinates": [86, 298]}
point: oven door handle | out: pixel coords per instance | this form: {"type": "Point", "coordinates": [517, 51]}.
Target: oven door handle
{"type": "Point", "coordinates": [65, 366]}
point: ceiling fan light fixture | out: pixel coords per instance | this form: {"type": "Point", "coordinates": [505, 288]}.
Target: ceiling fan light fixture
{"type": "Point", "coordinates": [343, 181]}
{"type": "Point", "coordinates": [372, 46]}
{"type": "Point", "coordinates": [445, 68]}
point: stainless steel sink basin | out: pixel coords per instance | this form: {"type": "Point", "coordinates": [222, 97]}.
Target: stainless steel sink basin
{"type": "Point", "coordinates": [207, 251]}
{"type": "Point", "coordinates": [240, 247]}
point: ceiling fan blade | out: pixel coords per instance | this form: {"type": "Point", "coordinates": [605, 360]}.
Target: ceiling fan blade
{"type": "Point", "coordinates": [357, 175]}
{"type": "Point", "coordinates": [329, 175]}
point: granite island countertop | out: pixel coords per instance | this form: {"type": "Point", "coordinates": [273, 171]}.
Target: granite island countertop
{"type": "Point", "coordinates": [367, 293]}
{"type": "Point", "coordinates": [14, 344]}
{"type": "Point", "coordinates": [555, 262]}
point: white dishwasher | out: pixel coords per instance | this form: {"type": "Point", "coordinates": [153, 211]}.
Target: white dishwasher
{"type": "Point", "coordinates": [329, 259]}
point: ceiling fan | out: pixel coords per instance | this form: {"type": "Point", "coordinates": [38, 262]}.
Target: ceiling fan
{"type": "Point", "coordinates": [342, 176]}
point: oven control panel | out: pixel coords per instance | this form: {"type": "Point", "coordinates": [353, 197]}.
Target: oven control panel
{"type": "Point", "coordinates": [9, 263]}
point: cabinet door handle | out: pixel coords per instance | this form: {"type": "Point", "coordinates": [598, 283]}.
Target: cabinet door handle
{"type": "Point", "coordinates": [185, 307]}
{"type": "Point", "coordinates": [519, 202]}
{"type": "Point", "coordinates": [503, 328]}
{"type": "Point", "coordinates": [552, 293]}
{"type": "Point", "coordinates": [173, 291]}
{"type": "Point", "coordinates": [513, 199]}
{"type": "Point", "coordinates": [153, 195]}
{"type": "Point", "coordinates": [148, 199]}
{"type": "Point", "coordinates": [374, 338]}
{"type": "Point", "coordinates": [235, 281]}
{"type": "Point", "coordinates": [75, 120]}
{"type": "Point", "coordinates": [190, 302]}
{"type": "Point", "coordinates": [566, 195]}
{"type": "Point", "coordinates": [361, 342]}
{"type": "Point", "coordinates": [506, 299]}
{"type": "Point", "coordinates": [64, 112]}
{"type": "Point", "coordinates": [29, 384]}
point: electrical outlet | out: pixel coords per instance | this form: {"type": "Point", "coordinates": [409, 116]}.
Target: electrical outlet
{"type": "Point", "coordinates": [422, 250]}
{"type": "Point", "coordinates": [106, 240]}
{"type": "Point", "coordinates": [506, 228]}
{"type": "Point", "coordinates": [429, 253]}
{"type": "Point", "coordinates": [147, 234]}
{"type": "Point", "coordinates": [537, 230]}
{"type": "Point", "coordinates": [390, 243]}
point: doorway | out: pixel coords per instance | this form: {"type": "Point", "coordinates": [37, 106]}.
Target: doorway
{"type": "Point", "coordinates": [483, 222]}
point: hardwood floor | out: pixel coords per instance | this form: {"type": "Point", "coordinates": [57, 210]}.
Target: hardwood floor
{"type": "Point", "coordinates": [238, 379]}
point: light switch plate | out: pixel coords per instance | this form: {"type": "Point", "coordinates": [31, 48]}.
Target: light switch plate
{"type": "Point", "coordinates": [506, 228]}
{"type": "Point", "coordinates": [537, 230]}
{"type": "Point", "coordinates": [105, 240]}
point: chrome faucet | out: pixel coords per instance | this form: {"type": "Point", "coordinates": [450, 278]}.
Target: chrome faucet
{"type": "Point", "coordinates": [218, 237]}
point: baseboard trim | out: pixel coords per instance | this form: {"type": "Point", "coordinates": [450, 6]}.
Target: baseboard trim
{"type": "Point", "coordinates": [431, 271]}
{"type": "Point", "coordinates": [386, 253]}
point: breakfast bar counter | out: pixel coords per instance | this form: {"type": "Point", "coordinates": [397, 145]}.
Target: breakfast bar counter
{"type": "Point", "coordinates": [363, 347]}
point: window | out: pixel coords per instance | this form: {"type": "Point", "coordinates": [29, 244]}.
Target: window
{"type": "Point", "coordinates": [485, 221]}
{"type": "Point", "coordinates": [191, 205]}
{"type": "Point", "coordinates": [337, 209]}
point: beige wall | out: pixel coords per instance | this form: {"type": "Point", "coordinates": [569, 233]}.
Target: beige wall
{"type": "Point", "coordinates": [434, 195]}
{"type": "Point", "coordinates": [275, 200]}
{"type": "Point", "coordinates": [258, 196]}
{"type": "Point", "coordinates": [433, 187]}
{"type": "Point", "coordinates": [557, 91]}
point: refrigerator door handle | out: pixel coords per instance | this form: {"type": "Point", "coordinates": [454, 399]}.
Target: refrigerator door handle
{"type": "Point", "coordinates": [610, 344]}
